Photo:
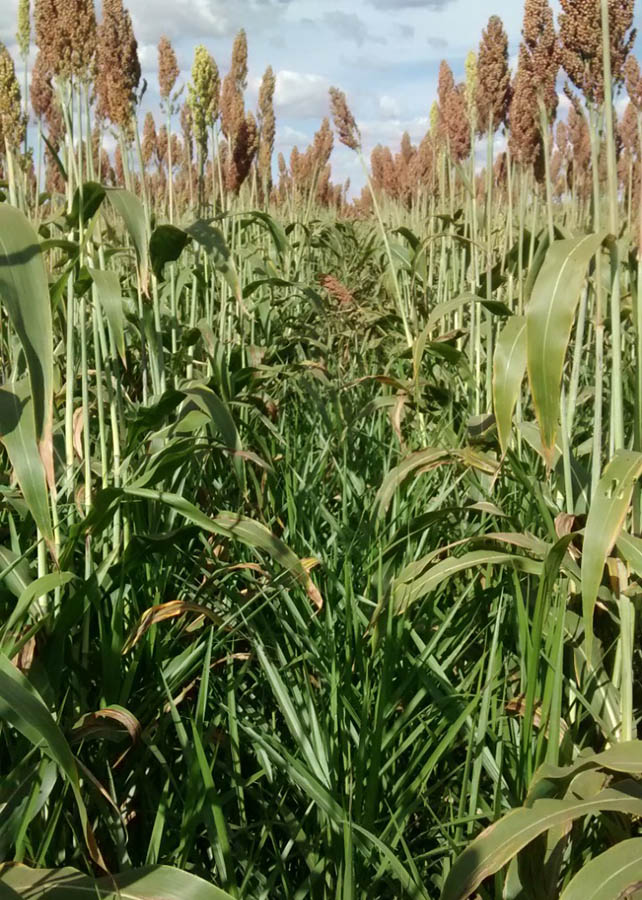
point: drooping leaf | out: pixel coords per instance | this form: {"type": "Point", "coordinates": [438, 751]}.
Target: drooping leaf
{"type": "Point", "coordinates": [149, 883]}
{"type": "Point", "coordinates": [500, 842]}
{"type": "Point", "coordinates": [212, 405]}
{"type": "Point", "coordinates": [412, 584]}
{"type": "Point", "coordinates": [23, 708]}
{"type": "Point", "coordinates": [18, 434]}
{"type": "Point", "coordinates": [38, 588]}
{"type": "Point", "coordinates": [111, 302]}
{"type": "Point", "coordinates": [423, 461]}
{"type": "Point", "coordinates": [624, 757]}
{"type": "Point", "coordinates": [86, 203]}
{"type": "Point", "coordinates": [164, 611]}
{"type": "Point", "coordinates": [232, 525]}
{"type": "Point", "coordinates": [614, 873]}
{"type": "Point", "coordinates": [606, 517]}
{"type": "Point", "coordinates": [166, 245]}
{"type": "Point", "coordinates": [131, 210]}
{"type": "Point", "coordinates": [213, 240]}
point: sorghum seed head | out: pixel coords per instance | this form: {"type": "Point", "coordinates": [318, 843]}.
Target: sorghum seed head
{"type": "Point", "coordinates": [12, 124]}
{"type": "Point", "coordinates": [493, 77]}
{"type": "Point", "coordinates": [167, 68]}
{"type": "Point", "coordinates": [118, 65]}
{"type": "Point", "coordinates": [344, 121]}
{"type": "Point", "coordinates": [203, 94]}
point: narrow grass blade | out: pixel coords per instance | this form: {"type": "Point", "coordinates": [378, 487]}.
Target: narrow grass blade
{"type": "Point", "coordinates": [509, 368]}
{"type": "Point", "coordinates": [23, 708]}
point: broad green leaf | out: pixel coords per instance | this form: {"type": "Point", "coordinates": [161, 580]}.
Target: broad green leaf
{"type": "Point", "coordinates": [166, 245]}
{"type": "Point", "coordinates": [14, 571]}
{"type": "Point", "coordinates": [129, 207]}
{"type": "Point", "coordinates": [23, 708]}
{"type": "Point", "coordinates": [111, 301]}
{"type": "Point", "coordinates": [212, 240]}
{"type": "Point", "coordinates": [407, 591]}
{"type": "Point", "coordinates": [500, 842]}
{"type": "Point", "coordinates": [606, 517]}
{"type": "Point", "coordinates": [631, 549]}
{"type": "Point", "coordinates": [449, 306]}
{"type": "Point", "coordinates": [549, 321]}
{"type": "Point", "coordinates": [38, 588]}
{"type": "Point", "coordinates": [86, 203]}
{"type": "Point", "coordinates": [212, 405]}
{"type": "Point", "coordinates": [24, 292]}
{"type": "Point", "coordinates": [149, 883]}
{"type": "Point", "coordinates": [610, 875]}
{"type": "Point", "coordinates": [624, 757]}
{"type": "Point", "coordinates": [18, 434]}
{"type": "Point", "coordinates": [275, 229]}
{"type": "Point", "coordinates": [509, 367]}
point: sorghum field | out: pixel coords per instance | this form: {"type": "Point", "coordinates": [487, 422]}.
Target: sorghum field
{"type": "Point", "coordinates": [320, 517]}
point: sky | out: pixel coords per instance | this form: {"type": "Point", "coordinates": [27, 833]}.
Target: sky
{"type": "Point", "coordinates": [384, 54]}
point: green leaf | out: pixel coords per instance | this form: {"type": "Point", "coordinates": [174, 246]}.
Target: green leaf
{"type": "Point", "coordinates": [24, 291]}
{"type": "Point", "coordinates": [149, 883]}
{"type": "Point", "coordinates": [111, 302]}
{"type": "Point", "coordinates": [38, 588]}
{"type": "Point", "coordinates": [166, 245]}
{"type": "Point", "coordinates": [606, 517]}
{"type": "Point", "coordinates": [18, 434]}
{"type": "Point", "coordinates": [23, 708]}
{"type": "Point", "coordinates": [610, 875]}
{"type": "Point", "coordinates": [423, 461]}
{"type": "Point", "coordinates": [509, 367]}
{"type": "Point", "coordinates": [212, 405]}
{"type": "Point", "coordinates": [499, 843]}
{"type": "Point", "coordinates": [17, 575]}
{"type": "Point", "coordinates": [549, 320]}
{"type": "Point", "coordinates": [87, 203]}
{"type": "Point", "coordinates": [131, 210]}
{"type": "Point", "coordinates": [232, 525]}
{"type": "Point", "coordinates": [631, 549]}
{"type": "Point", "coordinates": [408, 590]}
{"type": "Point", "coordinates": [624, 757]}
{"type": "Point", "coordinates": [275, 229]}
{"type": "Point", "coordinates": [212, 239]}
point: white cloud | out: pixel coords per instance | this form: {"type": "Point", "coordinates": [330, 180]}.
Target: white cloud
{"type": "Point", "coordinates": [300, 94]}
{"type": "Point", "coordinates": [288, 137]}
{"type": "Point", "coordinates": [389, 106]}
{"type": "Point", "coordinates": [200, 19]}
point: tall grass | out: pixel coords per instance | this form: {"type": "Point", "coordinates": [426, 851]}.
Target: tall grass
{"type": "Point", "coordinates": [321, 543]}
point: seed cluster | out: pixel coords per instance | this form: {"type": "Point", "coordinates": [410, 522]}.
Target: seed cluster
{"type": "Point", "coordinates": [12, 124]}
{"type": "Point", "coordinates": [344, 122]}
{"type": "Point", "coordinates": [118, 65]}
{"type": "Point", "coordinates": [493, 77]}
{"type": "Point", "coordinates": [66, 36]}
{"type": "Point", "coordinates": [580, 24]}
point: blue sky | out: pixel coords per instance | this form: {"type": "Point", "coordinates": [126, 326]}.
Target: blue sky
{"type": "Point", "coordinates": [385, 54]}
